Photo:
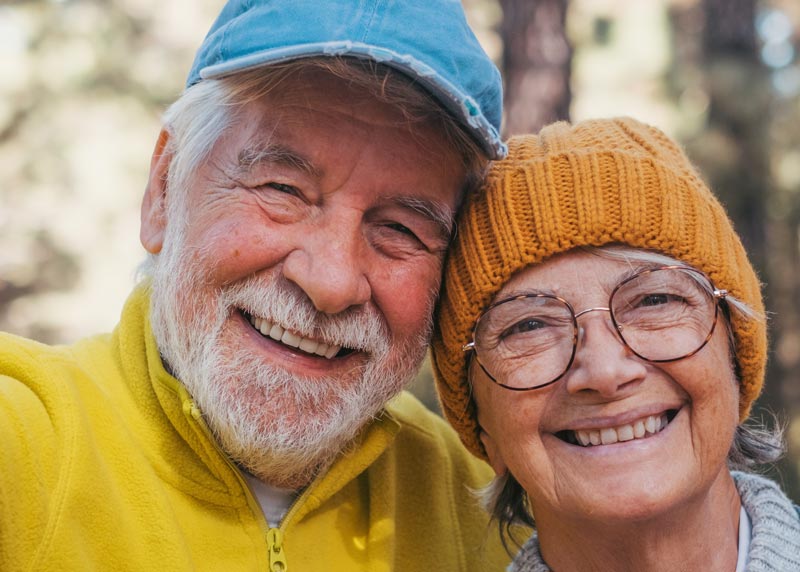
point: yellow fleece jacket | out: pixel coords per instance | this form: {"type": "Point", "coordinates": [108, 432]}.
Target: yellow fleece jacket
{"type": "Point", "coordinates": [106, 464]}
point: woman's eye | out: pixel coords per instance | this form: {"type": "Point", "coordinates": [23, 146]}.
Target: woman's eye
{"type": "Point", "coordinates": [655, 299]}
{"type": "Point", "coordinates": [524, 327]}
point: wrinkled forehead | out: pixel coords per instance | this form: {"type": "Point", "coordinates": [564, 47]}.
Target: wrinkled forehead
{"type": "Point", "coordinates": [311, 113]}
{"type": "Point", "coordinates": [312, 86]}
{"type": "Point", "coordinates": [583, 272]}
{"type": "Point", "coordinates": [378, 95]}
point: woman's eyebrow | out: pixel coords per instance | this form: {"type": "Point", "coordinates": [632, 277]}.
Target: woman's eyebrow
{"type": "Point", "coordinates": [634, 270]}
{"type": "Point", "coordinates": [517, 292]}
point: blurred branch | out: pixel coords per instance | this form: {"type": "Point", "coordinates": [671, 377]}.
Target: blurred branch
{"type": "Point", "coordinates": [17, 119]}
{"type": "Point", "coordinates": [53, 269]}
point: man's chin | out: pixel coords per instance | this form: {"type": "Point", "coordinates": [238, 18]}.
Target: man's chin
{"type": "Point", "coordinates": [290, 459]}
{"type": "Point", "coordinates": [287, 472]}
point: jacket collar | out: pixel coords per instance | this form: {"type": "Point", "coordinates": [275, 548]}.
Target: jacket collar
{"type": "Point", "coordinates": [189, 457]}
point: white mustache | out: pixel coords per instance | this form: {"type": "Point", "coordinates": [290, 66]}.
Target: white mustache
{"type": "Point", "coordinates": [279, 301]}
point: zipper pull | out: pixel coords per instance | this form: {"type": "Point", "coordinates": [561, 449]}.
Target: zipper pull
{"type": "Point", "coordinates": [190, 408]}
{"type": "Point", "coordinates": [277, 559]}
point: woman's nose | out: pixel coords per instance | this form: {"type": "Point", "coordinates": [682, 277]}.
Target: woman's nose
{"type": "Point", "coordinates": [330, 266]}
{"type": "Point", "coordinates": [603, 363]}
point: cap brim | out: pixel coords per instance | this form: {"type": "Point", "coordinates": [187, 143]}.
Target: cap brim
{"type": "Point", "coordinates": [460, 105]}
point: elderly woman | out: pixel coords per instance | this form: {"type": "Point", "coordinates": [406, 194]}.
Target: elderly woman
{"type": "Point", "coordinates": [600, 341]}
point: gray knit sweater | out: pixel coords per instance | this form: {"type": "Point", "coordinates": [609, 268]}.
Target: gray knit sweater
{"type": "Point", "coordinates": [775, 544]}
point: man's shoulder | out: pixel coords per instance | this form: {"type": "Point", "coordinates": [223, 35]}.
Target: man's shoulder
{"type": "Point", "coordinates": [435, 479]}
{"type": "Point", "coordinates": [40, 381]}
{"type": "Point", "coordinates": [22, 358]}
{"type": "Point", "coordinates": [45, 390]}
{"type": "Point", "coordinates": [14, 348]}
{"type": "Point", "coordinates": [32, 362]}
{"type": "Point", "coordinates": [22, 365]}
{"type": "Point", "coordinates": [36, 421]}
{"type": "Point", "coordinates": [414, 417]}
{"type": "Point", "coordinates": [431, 440]}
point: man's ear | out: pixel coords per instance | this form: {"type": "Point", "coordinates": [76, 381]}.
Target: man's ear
{"type": "Point", "coordinates": [495, 457]}
{"type": "Point", "coordinates": [154, 203]}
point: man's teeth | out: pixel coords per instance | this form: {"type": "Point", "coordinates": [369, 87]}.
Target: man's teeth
{"type": "Point", "coordinates": [278, 334]}
{"type": "Point", "coordinates": [644, 427]}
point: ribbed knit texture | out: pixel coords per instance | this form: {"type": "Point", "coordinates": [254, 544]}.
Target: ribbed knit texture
{"type": "Point", "coordinates": [776, 525]}
{"type": "Point", "coordinates": [775, 546]}
{"type": "Point", "coordinates": [612, 181]}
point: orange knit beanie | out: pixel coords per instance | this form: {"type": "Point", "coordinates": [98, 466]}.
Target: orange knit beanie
{"type": "Point", "coordinates": [610, 181]}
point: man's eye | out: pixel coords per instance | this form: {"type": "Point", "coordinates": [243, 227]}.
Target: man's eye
{"type": "Point", "coordinates": [288, 189]}
{"type": "Point", "coordinates": [401, 228]}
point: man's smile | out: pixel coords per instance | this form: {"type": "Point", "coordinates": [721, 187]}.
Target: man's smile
{"type": "Point", "coordinates": [294, 341]}
{"type": "Point", "coordinates": [285, 336]}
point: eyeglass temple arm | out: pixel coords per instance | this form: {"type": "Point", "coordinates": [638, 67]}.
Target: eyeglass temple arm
{"type": "Point", "coordinates": [468, 347]}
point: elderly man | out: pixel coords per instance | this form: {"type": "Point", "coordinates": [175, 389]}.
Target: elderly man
{"type": "Point", "coordinates": [300, 201]}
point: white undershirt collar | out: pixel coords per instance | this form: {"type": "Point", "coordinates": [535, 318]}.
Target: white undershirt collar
{"type": "Point", "coordinates": [274, 501]}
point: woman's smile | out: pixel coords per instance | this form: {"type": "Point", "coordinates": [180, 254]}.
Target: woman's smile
{"type": "Point", "coordinates": [598, 434]}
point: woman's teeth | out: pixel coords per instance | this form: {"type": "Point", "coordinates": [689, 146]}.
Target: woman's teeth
{"type": "Point", "coordinates": [639, 429]}
{"type": "Point", "coordinates": [277, 333]}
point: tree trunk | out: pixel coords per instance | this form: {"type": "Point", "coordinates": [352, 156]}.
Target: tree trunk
{"type": "Point", "coordinates": [536, 64]}
{"type": "Point", "coordinates": [738, 117]}
{"type": "Point", "coordinates": [738, 140]}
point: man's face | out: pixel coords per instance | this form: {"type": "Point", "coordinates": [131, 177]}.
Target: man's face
{"type": "Point", "coordinates": [294, 289]}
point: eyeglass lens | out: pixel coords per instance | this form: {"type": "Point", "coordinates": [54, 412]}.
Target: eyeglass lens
{"type": "Point", "coordinates": [661, 315]}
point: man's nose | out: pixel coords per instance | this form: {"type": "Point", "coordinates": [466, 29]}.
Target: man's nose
{"type": "Point", "coordinates": [603, 363]}
{"type": "Point", "coordinates": [330, 266]}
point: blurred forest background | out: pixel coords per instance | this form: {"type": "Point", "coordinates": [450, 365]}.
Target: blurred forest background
{"type": "Point", "coordinates": [83, 83]}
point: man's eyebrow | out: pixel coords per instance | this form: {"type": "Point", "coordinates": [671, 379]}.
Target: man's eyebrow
{"type": "Point", "coordinates": [439, 213]}
{"type": "Point", "coordinates": [276, 154]}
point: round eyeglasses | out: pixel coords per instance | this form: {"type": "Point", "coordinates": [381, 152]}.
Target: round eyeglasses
{"type": "Point", "coordinates": [661, 314]}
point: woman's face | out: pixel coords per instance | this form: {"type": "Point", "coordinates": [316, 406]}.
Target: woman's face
{"type": "Point", "coordinates": [612, 392]}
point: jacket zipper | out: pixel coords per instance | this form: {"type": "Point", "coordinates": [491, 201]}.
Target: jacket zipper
{"type": "Point", "coordinates": [277, 559]}
{"type": "Point", "coordinates": [273, 536]}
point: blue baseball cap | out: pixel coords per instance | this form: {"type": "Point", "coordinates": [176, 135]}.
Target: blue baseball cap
{"type": "Point", "coordinates": [428, 40]}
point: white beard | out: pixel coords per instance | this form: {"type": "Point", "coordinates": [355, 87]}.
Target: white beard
{"type": "Point", "coordinates": [281, 427]}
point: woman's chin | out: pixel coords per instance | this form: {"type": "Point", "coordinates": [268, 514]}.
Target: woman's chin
{"type": "Point", "coordinates": [622, 482]}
